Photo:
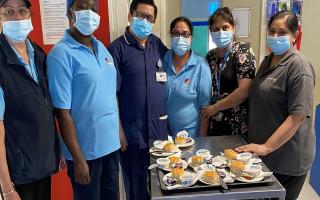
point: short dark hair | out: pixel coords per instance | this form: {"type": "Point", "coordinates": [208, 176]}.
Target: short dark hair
{"type": "Point", "coordinates": [224, 13]}
{"type": "Point", "coordinates": [27, 2]}
{"type": "Point", "coordinates": [134, 5]}
{"type": "Point", "coordinates": [181, 19]}
{"type": "Point", "coordinates": [292, 20]}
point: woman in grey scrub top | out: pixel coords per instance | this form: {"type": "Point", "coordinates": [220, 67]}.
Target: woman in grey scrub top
{"type": "Point", "coordinates": [280, 107]}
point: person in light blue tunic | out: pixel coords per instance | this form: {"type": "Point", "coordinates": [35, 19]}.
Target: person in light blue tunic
{"type": "Point", "coordinates": [188, 86]}
{"type": "Point", "coordinates": [82, 81]}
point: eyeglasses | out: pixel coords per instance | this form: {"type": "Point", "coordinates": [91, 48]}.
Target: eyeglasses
{"type": "Point", "coordinates": [185, 34]}
{"type": "Point", "coordinates": [141, 15]}
{"type": "Point", "coordinates": [10, 13]}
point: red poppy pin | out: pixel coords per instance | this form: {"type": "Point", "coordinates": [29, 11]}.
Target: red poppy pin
{"type": "Point", "coordinates": [187, 81]}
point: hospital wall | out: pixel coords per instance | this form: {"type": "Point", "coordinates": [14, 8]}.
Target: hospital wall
{"type": "Point", "coordinates": [310, 48]}
{"type": "Point", "coordinates": [310, 40]}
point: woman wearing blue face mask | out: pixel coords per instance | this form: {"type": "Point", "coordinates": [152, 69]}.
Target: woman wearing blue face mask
{"type": "Point", "coordinates": [188, 83]}
{"type": "Point", "coordinates": [29, 146]}
{"type": "Point", "coordinates": [233, 67]}
{"type": "Point", "coordinates": [82, 83]}
{"type": "Point", "coordinates": [281, 110]}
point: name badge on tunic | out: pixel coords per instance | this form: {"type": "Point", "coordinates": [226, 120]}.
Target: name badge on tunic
{"type": "Point", "coordinates": [161, 76]}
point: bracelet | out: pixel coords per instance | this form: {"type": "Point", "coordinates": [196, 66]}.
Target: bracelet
{"type": "Point", "coordinates": [8, 193]}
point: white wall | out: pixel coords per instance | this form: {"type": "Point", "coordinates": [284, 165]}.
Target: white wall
{"type": "Point", "coordinates": [118, 17]}
{"type": "Point", "coordinates": [310, 39]}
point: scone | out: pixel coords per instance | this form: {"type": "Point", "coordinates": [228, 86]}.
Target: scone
{"type": "Point", "coordinates": [230, 154]}
{"type": "Point", "coordinates": [237, 166]}
{"type": "Point", "coordinates": [174, 159]}
{"type": "Point", "coordinates": [196, 161]}
{"type": "Point", "coordinates": [177, 173]}
{"type": "Point", "coordinates": [169, 147]}
{"type": "Point", "coordinates": [210, 177]}
{"type": "Point", "coordinates": [181, 140]}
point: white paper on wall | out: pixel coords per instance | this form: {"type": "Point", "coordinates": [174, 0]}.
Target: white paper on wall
{"type": "Point", "coordinates": [242, 17]}
{"type": "Point", "coordinates": [54, 20]}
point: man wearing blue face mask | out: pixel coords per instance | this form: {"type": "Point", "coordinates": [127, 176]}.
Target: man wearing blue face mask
{"type": "Point", "coordinates": [82, 83]}
{"type": "Point", "coordinates": [189, 82]}
{"type": "Point", "coordinates": [29, 146]}
{"type": "Point", "coordinates": [137, 55]}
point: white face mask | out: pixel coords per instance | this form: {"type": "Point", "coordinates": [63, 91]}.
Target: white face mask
{"type": "Point", "coordinates": [17, 31]}
{"type": "Point", "coordinates": [86, 21]}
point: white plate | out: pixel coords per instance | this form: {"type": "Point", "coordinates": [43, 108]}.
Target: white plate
{"type": "Point", "coordinates": [164, 154]}
{"type": "Point", "coordinates": [255, 160]}
{"type": "Point", "coordinates": [206, 166]}
{"type": "Point", "coordinates": [165, 179]}
{"type": "Point", "coordinates": [254, 180]}
{"type": "Point", "coordinates": [203, 165]}
{"type": "Point", "coordinates": [201, 179]}
{"type": "Point", "coordinates": [226, 179]}
{"type": "Point", "coordinates": [219, 161]}
{"type": "Point", "coordinates": [190, 161]}
{"type": "Point", "coordinates": [188, 144]}
{"type": "Point", "coordinates": [184, 166]}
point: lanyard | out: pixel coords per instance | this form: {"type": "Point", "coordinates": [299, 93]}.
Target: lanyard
{"type": "Point", "coordinates": [222, 65]}
{"type": "Point", "coordinates": [159, 65]}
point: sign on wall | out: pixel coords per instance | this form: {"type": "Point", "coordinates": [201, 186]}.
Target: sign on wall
{"type": "Point", "coordinates": [242, 17]}
{"type": "Point", "coordinates": [54, 20]}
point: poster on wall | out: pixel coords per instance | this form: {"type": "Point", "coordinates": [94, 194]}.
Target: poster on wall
{"type": "Point", "coordinates": [274, 6]}
{"type": "Point", "coordinates": [295, 6]}
{"type": "Point", "coordinates": [242, 17]}
{"type": "Point", "coordinates": [54, 20]}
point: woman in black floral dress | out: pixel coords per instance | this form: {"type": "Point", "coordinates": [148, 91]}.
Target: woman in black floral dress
{"type": "Point", "coordinates": [233, 67]}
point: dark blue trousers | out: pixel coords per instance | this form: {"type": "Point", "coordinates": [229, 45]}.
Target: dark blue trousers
{"type": "Point", "coordinates": [104, 174]}
{"type": "Point", "coordinates": [134, 163]}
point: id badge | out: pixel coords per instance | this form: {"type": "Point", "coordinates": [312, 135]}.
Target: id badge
{"type": "Point", "coordinates": [218, 116]}
{"type": "Point", "coordinates": [161, 76]}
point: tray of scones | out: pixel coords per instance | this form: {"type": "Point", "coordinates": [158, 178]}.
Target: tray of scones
{"type": "Point", "coordinates": [207, 171]}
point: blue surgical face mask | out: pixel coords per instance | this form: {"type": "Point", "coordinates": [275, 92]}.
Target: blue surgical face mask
{"type": "Point", "coordinates": [222, 38]}
{"type": "Point", "coordinates": [279, 45]}
{"type": "Point", "coordinates": [180, 45]}
{"type": "Point", "coordinates": [87, 21]}
{"type": "Point", "coordinates": [17, 31]}
{"type": "Point", "coordinates": [142, 28]}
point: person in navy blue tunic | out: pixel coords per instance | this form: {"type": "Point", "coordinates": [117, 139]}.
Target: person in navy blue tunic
{"type": "Point", "coordinates": [137, 56]}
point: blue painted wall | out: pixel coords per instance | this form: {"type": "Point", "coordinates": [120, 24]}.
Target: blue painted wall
{"type": "Point", "coordinates": [315, 171]}
{"type": "Point", "coordinates": [199, 8]}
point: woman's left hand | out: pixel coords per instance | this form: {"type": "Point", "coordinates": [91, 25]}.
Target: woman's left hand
{"type": "Point", "coordinates": [259, 149]}
{"type": "Point", "coordinates": [208, 111]}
